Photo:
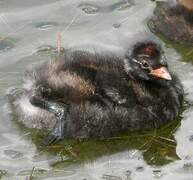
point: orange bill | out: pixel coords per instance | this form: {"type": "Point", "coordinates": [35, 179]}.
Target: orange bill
{"type": "Point", "coordinates": [161, 72]}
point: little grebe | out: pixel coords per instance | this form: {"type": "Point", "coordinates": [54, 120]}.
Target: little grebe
{"type": "Point", "coordinates": [85, 94]}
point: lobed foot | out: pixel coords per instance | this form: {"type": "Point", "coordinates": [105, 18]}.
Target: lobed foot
{"type": "Point", "coordinates": [57, 134]}
{"type": "Point", "coordinates": [60, 111]}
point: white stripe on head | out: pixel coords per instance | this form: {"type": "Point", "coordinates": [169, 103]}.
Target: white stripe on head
{"type": "Point", "coordinates": [126, 65]}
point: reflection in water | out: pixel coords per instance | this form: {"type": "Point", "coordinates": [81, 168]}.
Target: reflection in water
{"type": "Point", "coordinates": [19, 157]}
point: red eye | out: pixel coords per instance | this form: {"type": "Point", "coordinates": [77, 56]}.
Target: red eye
{"type": "Point", "coordinates": [150, 50]}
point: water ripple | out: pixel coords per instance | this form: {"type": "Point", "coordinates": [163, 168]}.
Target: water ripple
{"type": "Point", "coordinates": [13, 154]}
{"type": "Point", "coordinates": [45, 25]}
{"type": "Point", "coordinates": [122, 5]}
{"type": "Point", "coordinates": [6, 45]}
{"type": "Point", "coordinates": [89, 8]}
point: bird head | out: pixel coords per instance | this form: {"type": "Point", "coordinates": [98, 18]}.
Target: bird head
{"type": "Point", "coordinates": [147, 62]}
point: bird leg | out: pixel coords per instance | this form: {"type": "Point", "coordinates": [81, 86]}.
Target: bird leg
{"type": "Point", "coordinates": [60, 111]}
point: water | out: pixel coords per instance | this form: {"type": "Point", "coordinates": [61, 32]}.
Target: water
{"type": "Point", "coordinates": [28, 33]}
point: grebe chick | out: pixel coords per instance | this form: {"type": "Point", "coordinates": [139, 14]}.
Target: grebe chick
{"type": "Point", "coordinates": [85, 95]}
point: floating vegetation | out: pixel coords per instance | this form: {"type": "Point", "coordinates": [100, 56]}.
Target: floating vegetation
{"type": "Point", "coordinates": [32, 172]}
{"type": "Point", "coordinates": [185, 50]}
{"type": "Point", "coordinates": [3, 173]}
{"type": "Point", "coordinates": [64, 163]}
{"type": "Point", "coordinates": [156, 145]}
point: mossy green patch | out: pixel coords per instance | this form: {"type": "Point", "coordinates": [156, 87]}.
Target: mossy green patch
{"type": "Point", "coordinates": [157, 145]}
{"type": "Point", "coordinates": [2, 173]}
{"type": "Point", "coordinates": [185, 50]}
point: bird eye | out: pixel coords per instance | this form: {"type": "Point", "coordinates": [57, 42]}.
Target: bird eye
{"type": "Point", "coordinates": [145, 64]}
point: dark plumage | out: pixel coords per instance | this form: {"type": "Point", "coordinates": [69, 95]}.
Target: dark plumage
{"type": "Point", "coordinates": [85, 95]}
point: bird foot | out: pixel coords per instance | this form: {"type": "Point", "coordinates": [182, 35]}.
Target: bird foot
{"type": "Point", "coordinates": [57, 134]}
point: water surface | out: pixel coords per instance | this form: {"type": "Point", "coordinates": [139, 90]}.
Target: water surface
{"type": "Point", "coordinates": [28, 33]}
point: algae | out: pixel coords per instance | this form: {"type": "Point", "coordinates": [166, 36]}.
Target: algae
{"type": "Point", "coordinates": [185, 50]}
{"type": "Point", "coordinates": [158, 146]}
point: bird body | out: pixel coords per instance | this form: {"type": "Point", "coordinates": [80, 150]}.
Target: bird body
{"type": "Point", "coordinates": [95, 95]}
